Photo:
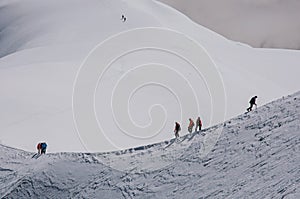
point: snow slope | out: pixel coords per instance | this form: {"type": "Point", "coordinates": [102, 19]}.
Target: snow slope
{"type": "Point", "coordinates": [257, 156]}
{"type": "Point", "coordinates": [43, 44]}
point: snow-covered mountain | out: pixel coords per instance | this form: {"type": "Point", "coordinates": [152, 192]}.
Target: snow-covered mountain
{"type": "Point", "coordinates": [44, 43]}
{"type": "Point", "coordinates": [257, 156]}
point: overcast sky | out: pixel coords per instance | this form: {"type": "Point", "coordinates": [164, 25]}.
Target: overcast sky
{"type": "Point", "coordinates": [260, 23]}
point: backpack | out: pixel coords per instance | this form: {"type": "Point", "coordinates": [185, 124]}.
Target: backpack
{"type": "Point", "coordinates": [253, 100]}
{"type": "Point", "coordinates": [177, 127]}
{"type": "Point", "coordinates": [44, 145]}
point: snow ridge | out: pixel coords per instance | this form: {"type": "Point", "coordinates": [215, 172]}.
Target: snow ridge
{"type": "Point", "coordinates": [257, 156]}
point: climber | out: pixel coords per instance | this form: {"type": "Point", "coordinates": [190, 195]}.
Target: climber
{"type": "Point", "coordinates": [177, 129]}
{"type": "Point", "coordinates": [252, 102]}
{"type": "Point", "coordinates": [191, 125]}
{"type": "Point", "coordinates": [198, 124]}
{"type": "Point", "coordinates": [43, 147]}
{"type": "Point", "coordinates": [123, 18]}
{"type": "Point", "coordinates": [39, 148]}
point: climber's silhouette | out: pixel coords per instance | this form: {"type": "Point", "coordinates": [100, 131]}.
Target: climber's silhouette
{"type": "Point", "coordinates": [123, 18]}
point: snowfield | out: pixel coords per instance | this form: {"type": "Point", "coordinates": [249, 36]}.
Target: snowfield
{"type": "Point", "coordinates": [43, 44]}
{"type": "Point", "coordinates": [257, 156]}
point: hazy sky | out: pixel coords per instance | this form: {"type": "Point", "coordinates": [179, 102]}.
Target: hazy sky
{"type": "Point", "coordinates": [260, 23]}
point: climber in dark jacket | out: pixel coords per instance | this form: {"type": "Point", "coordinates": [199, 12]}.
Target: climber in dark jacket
{"type": "Point", "coordinates": [177, 129]}
{"type": "Point", "coordinates": [252, 102]}
{"type": "Point", "coordinates": [43, 147]}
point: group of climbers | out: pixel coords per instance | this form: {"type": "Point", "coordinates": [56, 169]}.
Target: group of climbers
{"type": "Point", "coordinates": [199, 122]}
{"type": "Point", "coordinates": [190, 126]}
{"type": "Point", "coordinates": [41, 147]}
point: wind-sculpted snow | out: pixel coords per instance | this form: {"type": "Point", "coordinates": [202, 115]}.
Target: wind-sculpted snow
{"type": "Point", "coordinates": [257, 156]}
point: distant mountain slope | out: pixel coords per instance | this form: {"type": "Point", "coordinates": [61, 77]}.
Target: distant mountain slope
{"type": "Point", "coordinates": [261, 24]}
{"type": "Point", "coordinates": [257, 156]}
